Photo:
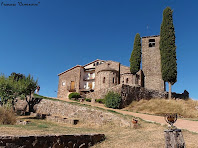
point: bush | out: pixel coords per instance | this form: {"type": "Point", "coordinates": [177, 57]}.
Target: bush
{"type": "Point", "coordinates": [74, 95]}
{"type": "Point", "coordinates": [102, 101]}
{"type": "Point", "coordinates": [112, 100]}
{"type": "Point", "coordinates": [88, 99]}
{"type": "Point", "coordinates": [7, 116]}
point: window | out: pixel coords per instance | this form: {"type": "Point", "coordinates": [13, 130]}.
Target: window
{"type": "Point", "coordinates": [104, 80]}
{"type": "Point", "coordinates": [94, 64]}
{"type": "Point", "coordinates": [127, 80]}
{"type": "Point", "coordinates": [151, 42]}
{"type": "Point", "coordinates": [113, 80]}
{"type": "Point", "coordinates": [63, 83]}
{"type": "Point", "coordinates": [97, 63]}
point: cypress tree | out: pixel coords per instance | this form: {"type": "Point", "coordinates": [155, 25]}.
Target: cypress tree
{"type": "Point", "coordinates": [168, 49]}
{"type": "Point", "coordinates": [135, 59]}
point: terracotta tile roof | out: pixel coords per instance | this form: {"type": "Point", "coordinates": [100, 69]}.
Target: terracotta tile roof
{"type": "Point", "coordinates": [79, 66]}
{"type": "Point", "coordinates": [70, 69]}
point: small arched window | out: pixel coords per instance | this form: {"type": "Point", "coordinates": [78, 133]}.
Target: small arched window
{"type": "Point", "coordinates": [151, 42]}
{"type": "Point", "coordinates": [127, 80]}
{"type": "Point", "coordinates": [104, 80]}
{"type": "Point", "coordinates": [113, 80]}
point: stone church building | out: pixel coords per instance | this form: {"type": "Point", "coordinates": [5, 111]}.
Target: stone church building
{"type": "Point", "coordinates": [100, 74]}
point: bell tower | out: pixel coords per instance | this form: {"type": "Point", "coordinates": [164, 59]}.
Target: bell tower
{"type": "Point", "coordinates": [151, 63]}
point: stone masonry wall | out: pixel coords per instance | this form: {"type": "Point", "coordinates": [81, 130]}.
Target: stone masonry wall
{"type": "Point", "coordinates": [53, 141]}
{"type": "Point", "coordinates": [128, 93]}
{"type": "Point", "coordinates": [108, 76]}
{"type": "Point", "coordinates": [131, 93]}
{"type": "Point", "coordinates": [124, 69]}
{"type": "Point", "coordinates": [110, 64]}
{"type": "Point", "coordinates": [100, 94]}
{"type": "Point", "coordinates": [72, 75]}
{"type": "Point", "coordinates": [151, 64]}
{"type": "Point", "coordinates": [87, 115]}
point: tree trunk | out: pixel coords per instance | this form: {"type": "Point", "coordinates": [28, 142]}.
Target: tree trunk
{"type": "Point", "coordinates": [169, 93]}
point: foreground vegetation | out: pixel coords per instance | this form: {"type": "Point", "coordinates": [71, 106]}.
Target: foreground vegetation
{"type": "Point", "coordinates": [7, 116]}
{"type": "Point", "coordinates": [16, 85]}
{"type": "Point", "coordinates": [149, 135]}
{"type": "Point", "coordinates": [184, 108]}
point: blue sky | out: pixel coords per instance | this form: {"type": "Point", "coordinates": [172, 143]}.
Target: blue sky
{"type": "Point", "coordinates": [54, 36]}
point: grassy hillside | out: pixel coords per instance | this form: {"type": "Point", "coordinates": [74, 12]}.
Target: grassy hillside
{"type": "Point", "coordinates": [185, 108]}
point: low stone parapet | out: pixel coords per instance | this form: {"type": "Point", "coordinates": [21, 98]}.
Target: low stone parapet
{"type": "Point", "coordinates": [55, 141]}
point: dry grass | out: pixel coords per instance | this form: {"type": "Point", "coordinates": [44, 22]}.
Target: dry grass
{"type": "Point", "coordinates": [150, 135]}
{"type": "Point", "coordinates": [7, 116]}
{"type": "Point", "coordinates": [185, 108]}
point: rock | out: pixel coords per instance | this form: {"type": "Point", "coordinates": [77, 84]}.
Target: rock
{"type": "Point", "coordinates": [21, 122]}
{"type": "Point", "coordinates": [20, 106]}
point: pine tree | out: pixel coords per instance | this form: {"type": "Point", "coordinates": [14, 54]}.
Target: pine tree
{"type": "Point", "coordinates": [135, 59]}
{"type": "Point", "coordinates": [168, 49]}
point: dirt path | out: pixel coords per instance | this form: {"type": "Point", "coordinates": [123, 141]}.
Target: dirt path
{"type": "Point", "coordinates": [181, 123]}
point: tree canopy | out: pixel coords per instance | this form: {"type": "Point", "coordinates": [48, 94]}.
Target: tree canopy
{"type": "Point", "coordinates": [16, 85]}
{"type": "Point", "coordinates": [135, 59]}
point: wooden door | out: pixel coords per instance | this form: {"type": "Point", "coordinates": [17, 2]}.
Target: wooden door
{"type": "Point", "coordinates": [90, 85]}
{"type": "Point", "coordinates": [72, 85]}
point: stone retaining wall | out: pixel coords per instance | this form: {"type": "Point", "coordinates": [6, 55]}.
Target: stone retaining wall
{"type": "Point", "coordinates": [131, 93]}
{"type": "Point", "coordinates": [85, 114]}
{"type": "Point", "coordinates": [135, 93]}
{"type": "Point", "coordinates": [100, 94]}
{"type": "Point", "coordinates": [70, 141]}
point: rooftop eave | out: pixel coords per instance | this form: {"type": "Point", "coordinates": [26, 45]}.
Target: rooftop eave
{"type": "Point", "coordinates": [70, 69]}
{"type": "Point", "coordinates": [150, 36]}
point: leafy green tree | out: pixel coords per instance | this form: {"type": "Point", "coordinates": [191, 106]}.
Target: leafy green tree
{"type": "Point", "coordinates": [16, 76]}
{"type": "Point", "coordinates": [17, 85]}
{"type": "Point", "coordinates": [168, 49]}
{"type": "Point", "coordinates": [6, 89]}
{"type": "Point", "coordinates": [135, 59]}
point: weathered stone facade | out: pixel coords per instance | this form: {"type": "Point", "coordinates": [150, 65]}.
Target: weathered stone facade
{"type": "Point", "coordinates": [53, 141]}
{"type": "Point", "coordinates": [151, 63]}
{"type": "Point", "coordinates": [65, 80]}
{"type": "Point", "coordinates": [100, 94]}
{"type": "Point", "coordinates": [108, 74]}
{"type": "Point", "coordinates": [95, 76]}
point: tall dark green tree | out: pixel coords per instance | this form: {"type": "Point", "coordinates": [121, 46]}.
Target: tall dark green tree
{"type": "Point", "coordinates": [135, 59]}
{"type": "Point", "coordinates": [168, 49]}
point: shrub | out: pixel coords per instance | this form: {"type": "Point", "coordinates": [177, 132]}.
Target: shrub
{"type": "Point", "coordinates": [88, 99]}
{"type": "Point", "coordinates": [7, 116]}
{"type": "Point", "coordinates": [112, 100]}
{"type": "Point", "coordinates": [102, 101]}
{"type": "Point", "coordinates": [74, 95]}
